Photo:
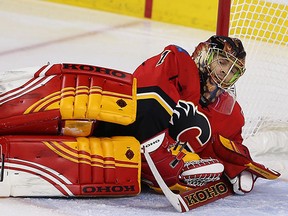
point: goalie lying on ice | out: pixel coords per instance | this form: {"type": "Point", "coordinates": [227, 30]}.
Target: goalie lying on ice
{"type": "Point", "coordinates": [188, 101]}
{"type": "Point", "coordinates": [193, 98]}
{"type": "Point", "coordinates": [47, 147]}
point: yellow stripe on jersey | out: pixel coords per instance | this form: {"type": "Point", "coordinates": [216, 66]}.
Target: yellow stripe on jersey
{"type": "Point", "coordinates": [158, 98]}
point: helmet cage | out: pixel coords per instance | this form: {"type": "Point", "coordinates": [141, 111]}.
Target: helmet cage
{"type": "Point", "coordinates": [237, 67]}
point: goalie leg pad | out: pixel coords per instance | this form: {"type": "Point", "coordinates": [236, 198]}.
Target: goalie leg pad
{"type": "Point", "coordinates": [74, 93]}
{"type": "Point", "coordinates": [69, 166]}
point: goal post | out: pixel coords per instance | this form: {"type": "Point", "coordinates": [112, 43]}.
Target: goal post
{"type": "Point", "coordinates": [223, 17]}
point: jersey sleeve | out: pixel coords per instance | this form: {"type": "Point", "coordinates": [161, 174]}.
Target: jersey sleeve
{"type": "Point", "coordinates": [173, 71]}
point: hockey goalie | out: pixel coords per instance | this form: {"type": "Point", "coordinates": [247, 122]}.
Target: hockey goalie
{"type": "Point", "coordinates": [174, 124]}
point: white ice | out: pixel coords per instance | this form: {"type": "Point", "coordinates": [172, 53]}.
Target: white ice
{"type": "Point", "coordinates": [36, 32]}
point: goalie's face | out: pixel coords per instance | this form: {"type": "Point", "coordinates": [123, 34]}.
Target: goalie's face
{"type": "Point", "coordinates": [223, 68]}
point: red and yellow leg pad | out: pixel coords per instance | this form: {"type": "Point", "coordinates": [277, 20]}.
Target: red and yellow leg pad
{"type": "Point", "coordinates": [67, 99]}
{"type": "Point", "coordinates": [69, 166]}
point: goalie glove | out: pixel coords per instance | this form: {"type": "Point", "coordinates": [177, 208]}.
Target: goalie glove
{"type": "Point", "coordinates": [181, 170]}
{"type": "Point", "coordinates": [189, 125]}
{"type": "Point", "coordinates": [240, 169]}
{"type": "Point", "coordinates": [236, 158]}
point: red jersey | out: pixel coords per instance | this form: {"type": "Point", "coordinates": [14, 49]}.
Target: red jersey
{"type": "Point", "coordinates": [171, 76]}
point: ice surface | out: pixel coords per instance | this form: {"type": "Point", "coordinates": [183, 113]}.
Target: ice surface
{"type": "Point", "coordinates": [36, 32]}
{"type": "Point", "coordinates": [268, 198]}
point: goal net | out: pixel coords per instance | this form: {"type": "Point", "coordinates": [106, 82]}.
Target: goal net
{"type": "Point", "coordinates": [262, 25]}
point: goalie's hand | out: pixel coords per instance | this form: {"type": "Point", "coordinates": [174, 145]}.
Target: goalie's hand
{"type": "Point", "coordinates": [243, 183]}
{"type": "Point", "coordinates": [189, 125]}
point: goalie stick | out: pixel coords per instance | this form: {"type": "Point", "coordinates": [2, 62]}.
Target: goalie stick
{"type": "Point", "coordinates": [191, 199]}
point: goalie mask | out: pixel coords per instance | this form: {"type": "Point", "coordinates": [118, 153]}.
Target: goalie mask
{"type": "Point", "coordinates": [221, 62]}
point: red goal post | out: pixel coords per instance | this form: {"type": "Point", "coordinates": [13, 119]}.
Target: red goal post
{"type": "Point", "coordinates": [262, 25]}
{"type": "Point", "coordinates": [223, 17]}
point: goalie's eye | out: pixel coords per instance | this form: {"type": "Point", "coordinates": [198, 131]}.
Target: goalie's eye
{"type": "Point", "coordinates": [223, 61]}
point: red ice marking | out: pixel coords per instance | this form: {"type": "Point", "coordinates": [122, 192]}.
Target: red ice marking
{"type": "Point", "coordinates": [70, 38]}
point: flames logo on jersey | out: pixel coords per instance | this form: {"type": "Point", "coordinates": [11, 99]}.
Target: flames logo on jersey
{"type": "Point", "coordinates": [188, 124]}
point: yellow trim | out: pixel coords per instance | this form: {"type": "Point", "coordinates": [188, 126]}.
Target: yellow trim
{"type": "Point", "coordinates": [52, 106]}
{"type": "Point", "coordinates": [94, 102]}
{"type": "Point", "coordinates": [262, 172]}
{"type": "Point", "coordinates": [43, 102]}
{"type": "Point", "coordinates": [104, 106]}
{"type": "Point", "coordinates": [112, 150]}
{"type": "Point", "coordinates": [189, 156]}
{"type": "Point", "coordinates": [59, 153]}
{"type": "Point", "coordinates": [228, 144]}
{"type": "Point", "coordinates": [176, 187]}
{"type": "Point", "coordinates": [67, 102]}
{"type": "Point", "coordinates": [157, 98]}
{"type": "Point", "coordinates": [80, 103]}
{"type": "Point", "coordinates": [116, 94]}
{"type": "Point", "coordinates": [90, 103]}
{"type": "Point", "coordinates": [79, 146]}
